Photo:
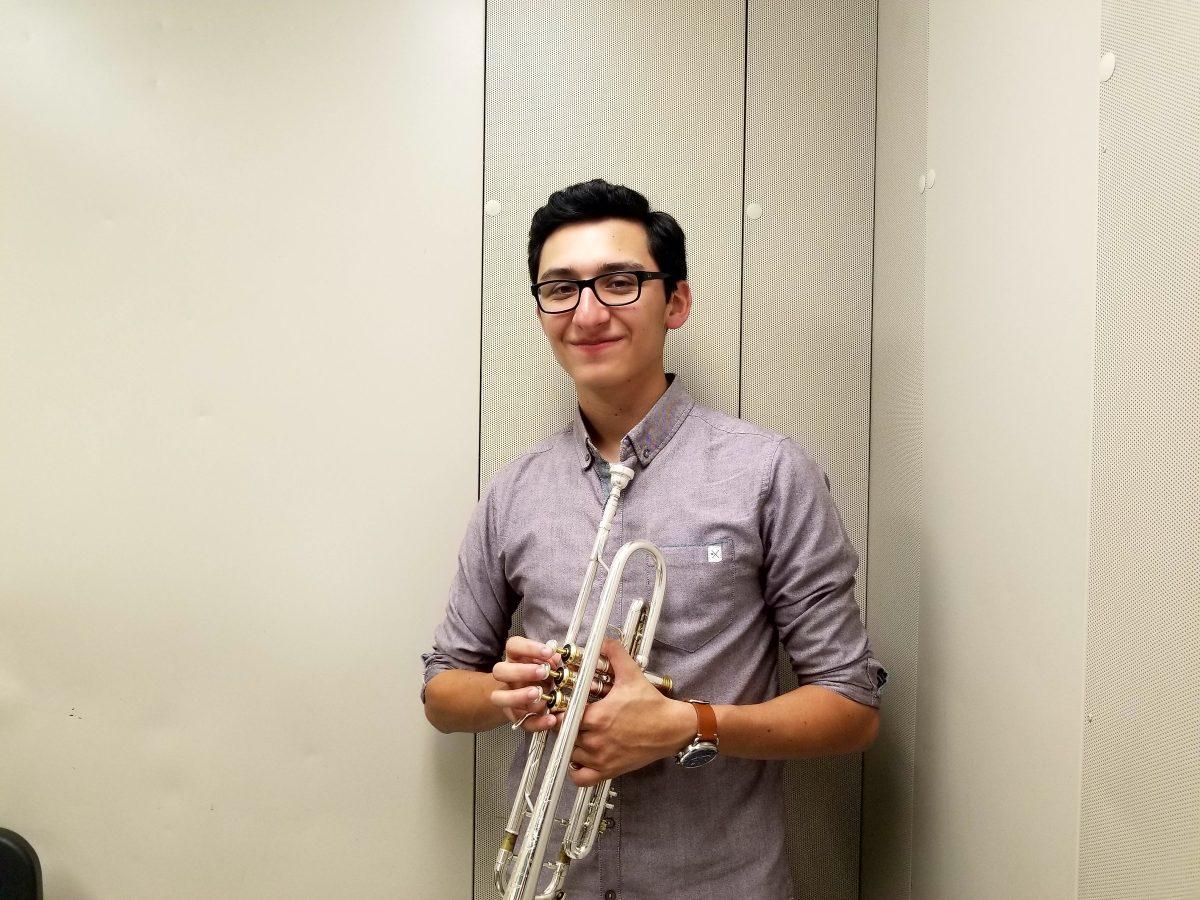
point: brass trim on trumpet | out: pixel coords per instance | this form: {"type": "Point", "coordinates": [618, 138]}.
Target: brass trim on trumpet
{"type": "Point", "coordinates": [663, 682]}
{"type": "Point", "coordinates": [565, 678]}
{"type": "Point", "coordinates": [570, 654]}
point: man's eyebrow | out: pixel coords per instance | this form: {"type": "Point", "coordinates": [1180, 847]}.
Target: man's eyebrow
{"type": "Point", "coordinates": [621, 265]}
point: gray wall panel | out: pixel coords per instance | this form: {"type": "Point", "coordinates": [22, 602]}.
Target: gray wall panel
{"type": "Point", "coordinates": [1140, 823]}
{"type": "Point", "coordinates": [579, 92]}
{"type": "Point", "coordinates": [647, 94]}
{"type": "Point", "coordinates": [894, 532]}
{"type": "Point", "coordinates": [807, 321]}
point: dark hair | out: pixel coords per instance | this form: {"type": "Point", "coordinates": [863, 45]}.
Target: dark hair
{"type": "Point", "coordinates": [593, 200]}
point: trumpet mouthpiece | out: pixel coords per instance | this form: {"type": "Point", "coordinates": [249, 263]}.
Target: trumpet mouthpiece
{"type": "Point", "coordinates": [619, 476]}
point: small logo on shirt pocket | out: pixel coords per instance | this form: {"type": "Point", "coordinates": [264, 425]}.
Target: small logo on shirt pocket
{"type": "Point", "coordinates": [700, 591]}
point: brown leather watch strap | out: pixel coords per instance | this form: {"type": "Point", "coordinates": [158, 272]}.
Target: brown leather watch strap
{"type": "Point", "coordinates": [706, 721]}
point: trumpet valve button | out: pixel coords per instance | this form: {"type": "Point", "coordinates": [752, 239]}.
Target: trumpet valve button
{"type": "Point", "coordinates": [570, 654]}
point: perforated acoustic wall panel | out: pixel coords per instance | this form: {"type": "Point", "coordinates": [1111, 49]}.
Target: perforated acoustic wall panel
{"type": "Point", "coordinates": [1140, 824]}
{"type": "Point", "coordinates": [580, 91]}
{"type": "Point", "coordinates": [647, 94]}
{"type": "Point", "coordinates": [810, 146]}
{"type": "Point", "coordinates": [893, 534]}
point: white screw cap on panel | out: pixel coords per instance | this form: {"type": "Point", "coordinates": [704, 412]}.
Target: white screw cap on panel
{"type": "Point", "coordinates": [1108, 65]}
{"type": "Point", "coordinates": [925, 182]}
{"type": "Point", "coordinates": [753, 211]}
{"type": "Point", "coordinates": [492, 207]}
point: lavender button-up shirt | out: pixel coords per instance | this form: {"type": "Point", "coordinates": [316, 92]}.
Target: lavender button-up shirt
{"type": "Point", "coordinates": [756, 556]}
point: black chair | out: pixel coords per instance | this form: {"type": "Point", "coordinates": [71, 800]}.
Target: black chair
{"type": "Point", "coordinates": [20, 870]}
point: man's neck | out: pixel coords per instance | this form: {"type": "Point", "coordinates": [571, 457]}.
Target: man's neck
{"type": "Point", "coordinates": [609, 415]}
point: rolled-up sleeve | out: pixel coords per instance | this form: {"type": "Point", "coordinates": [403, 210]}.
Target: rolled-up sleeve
{"type": "Point", "coordinates": [481, 604]}
{"type": "Point", "coordinates": [809, 567]}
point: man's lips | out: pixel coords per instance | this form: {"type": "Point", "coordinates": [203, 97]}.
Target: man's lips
{"type": "Point", "coordinates": [594, 346]}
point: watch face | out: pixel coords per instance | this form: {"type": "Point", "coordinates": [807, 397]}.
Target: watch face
{"type": "Point", "coordinates": [698, 755]}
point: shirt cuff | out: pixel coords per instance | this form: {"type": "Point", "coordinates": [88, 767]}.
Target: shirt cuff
{"type": "Point", "coordinates": [863, 683]}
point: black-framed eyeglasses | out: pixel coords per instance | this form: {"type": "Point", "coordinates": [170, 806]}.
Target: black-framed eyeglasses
{"type": "Point", "coordinates": [612, 289]}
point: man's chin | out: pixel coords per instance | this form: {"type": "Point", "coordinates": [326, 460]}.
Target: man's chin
{"type": "Point", "coordinates": [598, 378]}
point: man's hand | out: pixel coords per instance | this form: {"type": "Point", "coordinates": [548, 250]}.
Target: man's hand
{"type": "Point", "coordinates": [526, 667]}
{"type": "Point", "coordinates": [630, 727]}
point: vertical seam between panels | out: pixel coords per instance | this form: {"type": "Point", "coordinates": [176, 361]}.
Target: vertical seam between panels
{"type": "Point", "coordinates": [862, 769]}
{"type": "Point", "coordinates": [482, 264]}
{"type": "Point", "coordinates": [742, 208]}
{"type": "Point", "coordinates": [479, 420]}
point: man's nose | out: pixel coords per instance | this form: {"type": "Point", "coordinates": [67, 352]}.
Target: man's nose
{"type": "Point", "coordinates": [590, 310]}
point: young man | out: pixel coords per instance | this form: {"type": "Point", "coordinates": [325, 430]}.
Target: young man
{"type": "Point", "coordinates": [756, 554]}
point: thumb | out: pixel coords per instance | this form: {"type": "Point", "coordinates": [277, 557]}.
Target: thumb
{"type": "Point", "coordinates": [623, 665]}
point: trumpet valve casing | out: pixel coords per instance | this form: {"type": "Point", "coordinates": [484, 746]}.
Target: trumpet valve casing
{"type": "Point", "coordinates": [570, 654]}
{"type": "Point", "coordinates": [564, 679]}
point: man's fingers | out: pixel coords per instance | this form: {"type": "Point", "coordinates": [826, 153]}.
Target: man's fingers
{"type": "Point", "coordinates": [524, 699]}
{"type": "Point", "coordinates": [595, 716]}
{"type": "Point", "coordinates": [520, 649]}
{"type": "Point", "coordinates": [584, 758]}
{"type": "Point", "coordinates": [623, 665]}
{"type": "Point", "coordinates": [516, 673]}
{"type": "Point", "coordinates": [583, 776]}
{"type": "Point", "coordinates": [533, 723]}
{"type": "Point", "coordinates": [525, 708]}
{"type": "Point", "coordinates": [586, 743]}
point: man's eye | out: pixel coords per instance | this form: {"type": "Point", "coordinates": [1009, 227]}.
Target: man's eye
{"type": "Point", "coordinates": [620, 283]}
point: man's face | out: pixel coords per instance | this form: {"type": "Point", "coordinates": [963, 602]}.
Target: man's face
{"type": "Point", "coordinates": [609, 347]}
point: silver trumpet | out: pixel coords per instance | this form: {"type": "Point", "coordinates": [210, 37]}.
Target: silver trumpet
{"type": "Point", "coordinates": [517, 875]}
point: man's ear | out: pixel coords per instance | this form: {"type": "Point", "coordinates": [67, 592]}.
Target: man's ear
{"type": "Point", "coordinates": [679, 306]}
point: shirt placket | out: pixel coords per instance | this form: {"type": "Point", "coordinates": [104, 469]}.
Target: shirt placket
{"type": "Point", "coordinates": [594, 468]}
{"type": "Point", "coordinates": [609, 844]}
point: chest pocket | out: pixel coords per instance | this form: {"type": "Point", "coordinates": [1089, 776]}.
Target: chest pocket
{"type": "Point", "coordinates": [698, 602]}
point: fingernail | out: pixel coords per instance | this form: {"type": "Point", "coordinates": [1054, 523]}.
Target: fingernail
{"type": "Point", "coordinates": [550, 645]}
{"type": "Point", "coordinates": [575, 765]}
{"type": "Point", "coordinates": [534, 693]}
{"type": "Point", "coordinates": [544, 671]}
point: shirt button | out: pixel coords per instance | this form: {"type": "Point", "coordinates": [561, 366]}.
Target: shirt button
{"type": "Point", "coordinates": [610, 822]}
{"type": "Point", "coordinates": [610, 895]}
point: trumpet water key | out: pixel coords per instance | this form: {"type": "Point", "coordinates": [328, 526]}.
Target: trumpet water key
{"type": "Point", "coordinates": [518, 865]}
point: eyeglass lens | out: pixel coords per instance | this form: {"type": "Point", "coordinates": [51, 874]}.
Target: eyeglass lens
{"type": "Point", "coordinates": [615, 289]}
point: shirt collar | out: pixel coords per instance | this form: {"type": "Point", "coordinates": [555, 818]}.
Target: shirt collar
{"type": "Point", "coordinates": [648, 436]}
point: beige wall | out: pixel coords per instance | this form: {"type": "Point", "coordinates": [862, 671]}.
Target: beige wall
{"type": "Point", "coordinates": [239, 332]}
{"type": "Point", "coordinates": [238, 443]}
{"type": "Point", "coordinates": [1010, 304]}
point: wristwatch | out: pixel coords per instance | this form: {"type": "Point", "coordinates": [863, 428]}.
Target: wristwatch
{"type": "Point", "coordinates": [703, 747]}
